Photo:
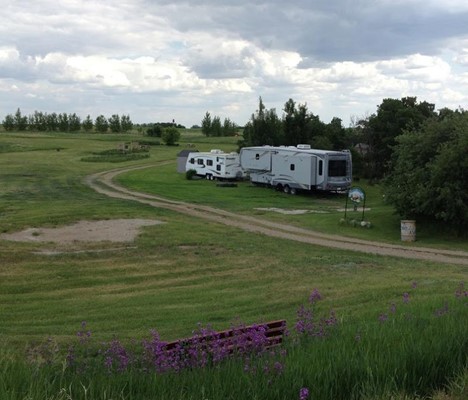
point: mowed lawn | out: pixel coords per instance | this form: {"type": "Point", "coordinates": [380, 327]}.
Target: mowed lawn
{"type": "Point", "coordinates": [184, 271]}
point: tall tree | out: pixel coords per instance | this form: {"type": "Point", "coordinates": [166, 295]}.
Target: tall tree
{"type": "Point", "coordinates": [206, 124]}
{"type": "Point", "coordinates": [430, 175]}
{"type": "Point", "coordinates": [63, 123]}
{"type": "Point", "coordinates": [74, 123]}
{"type": "Point", "coordinates": [114, 123]}
{"type": "Point", "coordinates": [52, 122]}
{"type": "Point", "coordinates": [88, 124]}
{"type": "Point", "coordinates": [229, 127]}
{"type": "Point", "coordinates": [9, 122]}
{"type": "Point", "coordinates": [295, 123]}
{"type": "Point", "coordinates": [392, 118]}
{"type": "Point", "coordinates": [216, 128]}
{"type": "Point", "coordinates": [101, 124]}
{"type": "Point", "coordinates": [126, 123]}
{"type": "Point", "coordinates": [21, 121]}
{"type": "Point", "coordinates": [264, 128]}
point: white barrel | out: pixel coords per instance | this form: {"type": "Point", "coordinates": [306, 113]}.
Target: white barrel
{"type": "Point", "coordinates": [408, 230]}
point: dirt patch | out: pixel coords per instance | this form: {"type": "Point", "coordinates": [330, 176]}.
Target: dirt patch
{"type": "Point", "coordinates": [115, 230]}
{"type": "Point", "coordinates": [291, 212]}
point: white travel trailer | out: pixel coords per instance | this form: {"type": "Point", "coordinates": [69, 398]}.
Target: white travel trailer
{"type": "Point", "coordinates": [294, 168]}
{"type": "Point", "coordinates": [215, 165]}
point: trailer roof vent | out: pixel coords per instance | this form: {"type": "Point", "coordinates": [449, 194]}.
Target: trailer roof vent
{"type": "Point", "coordinates": [216, 151]}
{"type": "Point", "coordinates": [303, 146]}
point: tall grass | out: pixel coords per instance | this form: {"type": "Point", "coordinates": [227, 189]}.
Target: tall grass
{"type": "Point", "coordinates": [413, 349]}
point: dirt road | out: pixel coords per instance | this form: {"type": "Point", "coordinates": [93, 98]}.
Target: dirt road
{"type": "Point", "coordinates": [103, 183]}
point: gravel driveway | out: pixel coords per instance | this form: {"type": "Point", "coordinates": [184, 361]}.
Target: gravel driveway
{"type": "Point", "coordinates": [103, 183]}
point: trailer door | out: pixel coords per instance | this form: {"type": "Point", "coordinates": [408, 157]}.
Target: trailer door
{"type": "Point", "coordinates": [313, 171]}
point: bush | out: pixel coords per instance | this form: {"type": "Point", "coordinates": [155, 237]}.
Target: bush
{"type": "Point", "coordinates": [190, 174]}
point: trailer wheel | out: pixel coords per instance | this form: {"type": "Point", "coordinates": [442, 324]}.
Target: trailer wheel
{"type": "Point", "coordinates": [208, 177]}
{"type": "Point", "coordinates": [293, 191]}
{"type": "Point", "coordinates": [286, 189]}
{"type": "Point", "coordinates": [279, 187]}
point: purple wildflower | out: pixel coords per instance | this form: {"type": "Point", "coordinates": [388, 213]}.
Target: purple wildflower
{"type": "Point", "coordinates": [406, 298]}
{"type": "Point", "coordinates": [383, 318]}
{"type": "Point", "coordinates": [331, 321]}
{"type": "Point", "coordinates": [116, 356]}
{"type": "Point", "coordinates": [303, 393]}
{"type": "Point", "coordinates": [442, 311]}
{"type": "Point", "coordinates": [304, 324]}
{"type": "Point", "coordinates": [71, 356]}
{"type": "Point", "coordinates": [461, 292]}
{"type": "Point", "coordinates": [278, 367]}
{"type": "Point", "coordinates": [315, 296]}
{"type": "Point", "coordinates": [84, 335]}
{"type": "Point", "coordinates": [393, 308]}
{"type": "Point", "coordinates": [414, 285]}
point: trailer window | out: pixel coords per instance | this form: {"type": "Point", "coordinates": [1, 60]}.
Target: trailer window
{"type": "Point", "coordinates": [292, 167]}
{"type": "Point", "coordinates": [320, 167]}
{"type": "Point", "coordinates": [209, 162]}
{"type": "Point", "coordinates": [218, 167]}
{"type": "Point", "coordinates": [257, 156]}
{"type": "Point", "coordinates": [192, 161]}
{"type": "Point", "coordinates": [200, 161]}
{"type": "Point", "coordinates": [337, 168]}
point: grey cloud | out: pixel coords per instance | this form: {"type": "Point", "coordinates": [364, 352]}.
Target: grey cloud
{"type": "Point", "coordinates": [327, 30]}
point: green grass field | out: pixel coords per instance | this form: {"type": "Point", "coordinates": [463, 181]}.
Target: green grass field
{"type": "Point", "coordinates": [187, 270]}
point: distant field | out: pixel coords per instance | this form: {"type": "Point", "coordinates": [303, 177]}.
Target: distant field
{"type": "Point", "coordinates": [187, 270]}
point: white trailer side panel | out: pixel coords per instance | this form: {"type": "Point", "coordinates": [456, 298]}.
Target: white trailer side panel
{"type": "Point", "coordinates": [293, 169]}
{"type": "Point", "coordinates": [256, 158]}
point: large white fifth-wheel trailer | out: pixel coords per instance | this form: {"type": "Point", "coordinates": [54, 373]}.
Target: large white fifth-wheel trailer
{"type": "Point", "coordinates": [293, 168]}
{"type": "Point", "coordinates": [215, 165]}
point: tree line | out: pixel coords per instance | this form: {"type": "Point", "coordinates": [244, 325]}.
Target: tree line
{"type": "Point", "coordinates": [63, 122]}
{"type": "Point", "coordinates": [212, 126]}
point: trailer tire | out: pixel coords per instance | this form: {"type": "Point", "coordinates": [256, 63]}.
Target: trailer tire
{"type": "Point", "coordinates": [287, 189]}
{"type": "Point", "coordinates": [279, 187]}
{"type": "Point", "coordinates": [293, 191]}
{"type": "Point", "coordinates": [207, 177]}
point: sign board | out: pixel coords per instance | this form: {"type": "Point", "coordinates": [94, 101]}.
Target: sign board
{"type": "Point", "coordinates": [356, 195]}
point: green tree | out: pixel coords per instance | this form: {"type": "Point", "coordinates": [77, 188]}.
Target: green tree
{"type": "Point", "coordinates": [88, 124]}
{"type": "Point", "coordinates": [21, 121]}
{"type": "Point", "coordinates": [296, 124]}
{"type": "Point", "coordinates": [74, 123]}
{"type": "Point", "coordinates": [101, 124]}
{"type": "Point", "coordinates": [229, 128]}
{"type": "Point", "coordinates": [206, 124]}
{"type": "Point", "coordinates": [63, 123]}
{"type": "Point", "coordinates": [380, 130]}
{"type": "Point", "coordinates": [264, 128]}
{"type": "Point", "coordinates": [154, 130]}
{"type": "Point", "coordinates": [170, 136]}
{"type": "Point", "coordinates": [216, 128]}
{"type": "Point", "coordinates": [126, 123]}
{"type": "Point", "coordinates": [429, 179]}
{"type": "Point", "coordinates": [9, 122]}
{"type": "Point", "coordinates": [336, 133]}
{"type": "Point", "coordinates": [114, 123]}
{"type": "Point", "coordinates": [52, 122]}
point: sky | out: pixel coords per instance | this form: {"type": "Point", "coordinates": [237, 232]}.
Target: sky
{"type": "Point", "coordinates": [160, 60]}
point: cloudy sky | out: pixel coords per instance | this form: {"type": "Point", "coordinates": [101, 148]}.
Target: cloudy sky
{"type": "Point", "coordinates": [159, 60]}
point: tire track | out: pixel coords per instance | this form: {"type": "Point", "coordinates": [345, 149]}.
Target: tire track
{"type": "Point", "coordinates": [103, 183]}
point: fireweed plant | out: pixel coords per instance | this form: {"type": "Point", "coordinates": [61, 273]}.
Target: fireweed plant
{"type": "Point", "coordinates": [408, 350]}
